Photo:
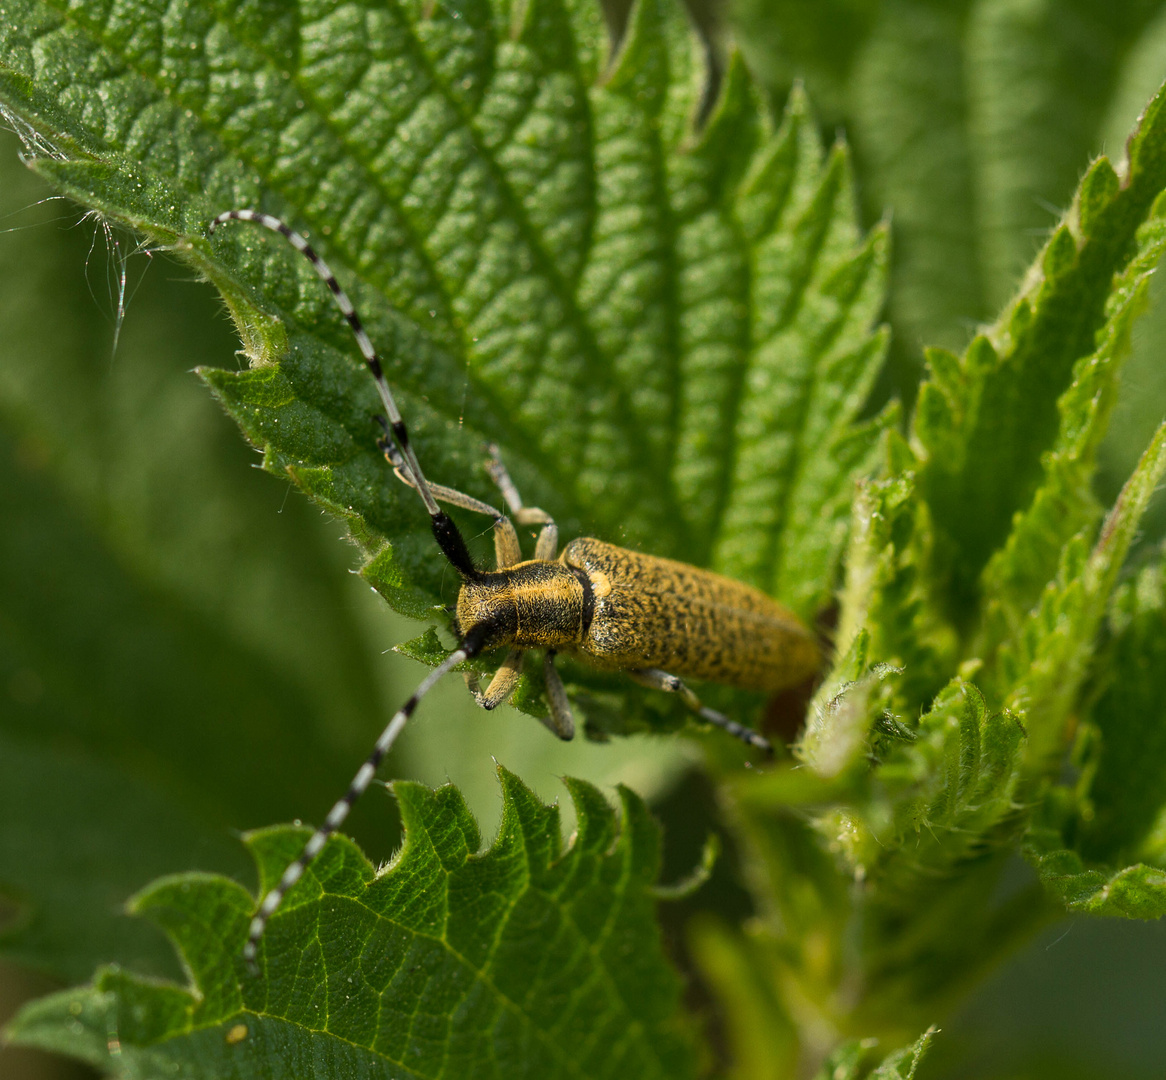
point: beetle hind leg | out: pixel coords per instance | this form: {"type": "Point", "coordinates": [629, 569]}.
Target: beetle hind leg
{"type": "Point", "coordinates": [661, 680]}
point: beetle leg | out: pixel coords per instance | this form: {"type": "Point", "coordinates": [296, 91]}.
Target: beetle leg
{"type": "Point", "coordinates": [501, 686]}
{"type": "Point", "coordinates": [561, 722]}
{"type": "Point", "coordinates": [506, 548]}
{"type": "Point", "coordinates": [547, 545]}
{"type": "Point", "coordinates": [661, 680]}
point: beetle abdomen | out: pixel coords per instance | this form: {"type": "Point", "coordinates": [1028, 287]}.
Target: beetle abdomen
{"type": "Point", "coordinates": [657, 613]}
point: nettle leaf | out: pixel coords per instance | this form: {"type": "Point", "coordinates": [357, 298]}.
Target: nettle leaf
{"type": "Point", "coordinates": [548, 957]}
{"type": "Point", "coordinates": [1064, 504]}
{"type": "Point", "coordinates": [965, 785]}
{"type": "Point", "coordinates": [633, 290]}
{"type": "Point", "coordinates": [1126, 761]}
{"type": "Point", "coordinates": [983, 421]}
{"type": "Point", "coordinates": [1084, 841]}
{"type": "Point", "coordinates": [150, 598]}
{"type": "Point", "coordinates": [911, 797]}
{"type": "Point", "coordinates": [898, 589]}
{"type": "Point", "coordinates": [1133, 892]}
{"type": "Point", "coordinates": [660, 308]}
{"type": "Point", "coordinates": [885, 593]}
{"type": "Point", "coordinates": [797, 448]}
{"type": "Point", "coordinates": [1046, 665]}
{"type": "Point", "coordinates": [971, 121]}
{"type": "Point", "coordinates": [1044, 594]}
{"type": "Point", "coordinates": [950, 787]}
{"type": "Point", "coordinates": [838, 721]}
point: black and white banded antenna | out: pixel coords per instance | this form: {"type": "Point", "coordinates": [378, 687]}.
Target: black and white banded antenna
{"type": "Point", "coordinates": [449, 539]}
{"type": "Point", "coordinates": [339, 812]}
{"type": "Point", "coordinates": [444, 531]}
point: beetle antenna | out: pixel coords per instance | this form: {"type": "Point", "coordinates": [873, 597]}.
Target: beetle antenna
{"type": "Point", "coordinates": [451, 542]}
{"type": "Point", "coordinates": [360, 782]}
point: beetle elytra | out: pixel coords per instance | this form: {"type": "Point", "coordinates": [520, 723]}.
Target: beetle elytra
{"type": "Point", "coordinates": [658, 620]}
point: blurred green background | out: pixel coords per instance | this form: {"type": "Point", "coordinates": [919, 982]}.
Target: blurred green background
{"type": "Point", "coordinates": [182, 641]}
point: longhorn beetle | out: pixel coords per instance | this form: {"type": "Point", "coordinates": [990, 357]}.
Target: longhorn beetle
{"type": "Point", "coordinates": [619, 610]}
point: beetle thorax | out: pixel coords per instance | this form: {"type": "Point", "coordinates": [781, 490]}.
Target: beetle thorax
{"type": "Point", "coordinates": [533, 605]}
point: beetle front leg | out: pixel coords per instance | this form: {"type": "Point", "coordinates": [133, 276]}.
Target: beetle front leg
{"type": "Point", "coordinates": [501, 685]}
{"type": "Point", "coordinates": [661, 680]}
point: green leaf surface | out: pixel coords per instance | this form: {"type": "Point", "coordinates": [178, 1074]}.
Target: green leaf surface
{"type": "Point", "coordinates": [953, 786]}
{"type": "Point", "coordinates": [666, 327]}
{"type": "Point", "coordinates": [549, 250]}
{"type": "Point", "coordinates": [183, 652]}
{"type": "Point", "coordinates": [1127, 764]}
{"type": "Point", "coordinates": [983, 422]}
{"type": "Point", "coordinates": [1064, 503]}
{"type": "Point", "coordinates": [839, 720]}
{"type": "Point", "coordinates": [660, 304]}
{"type": "Point", "coordinates": [423, 969]}
{"type": "Point", "coordinates": [885, 594]}
{"type": "Point", "coordinates": [1043, 599]}
{"type": "Point", "coordinates": [1046, 665]}
{"type": "Point", "coordinates": [905, 98]}
{"type": "Point", "coordinates": [915, 796]}
{"type": "Point", "coordinates": [1132, 892]}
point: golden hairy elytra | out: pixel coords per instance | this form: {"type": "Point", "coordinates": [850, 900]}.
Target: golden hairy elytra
{"type": "Point", "coordinates": [658, 620]}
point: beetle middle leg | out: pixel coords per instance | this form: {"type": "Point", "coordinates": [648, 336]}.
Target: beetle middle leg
{"type": "Point", "coordinates": [661, 680]}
